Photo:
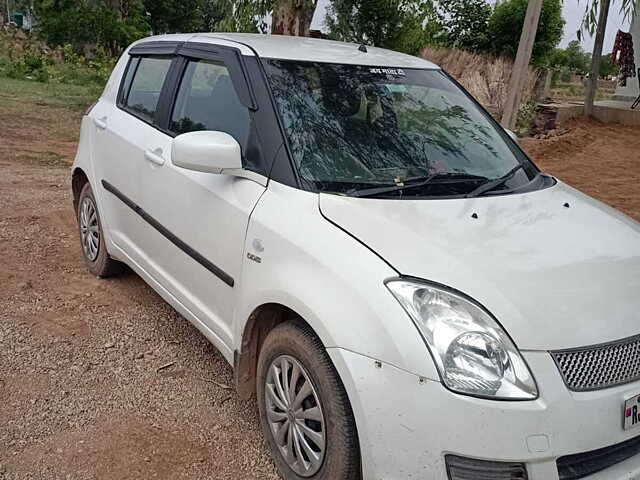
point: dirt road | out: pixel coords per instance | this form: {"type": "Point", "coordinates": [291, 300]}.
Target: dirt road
{"type": "Point", "coordinates": [82, 390]}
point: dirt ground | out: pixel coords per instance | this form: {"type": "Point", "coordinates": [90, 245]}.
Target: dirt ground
{"type": "Point", "coordinates": [82, 391]}
{"type": "Point", "coordinates": [102, 379]}
{"type": "Point", "coordinates": [601, 160]}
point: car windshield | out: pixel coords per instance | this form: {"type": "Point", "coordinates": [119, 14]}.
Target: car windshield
{"type": "Point", "coordinates": [354, 128]}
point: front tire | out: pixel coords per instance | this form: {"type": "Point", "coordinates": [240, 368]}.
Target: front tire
{"type": "Point", "coordinates": [94, 250]}
{"type": "Point", "coordinates": [305, 414]}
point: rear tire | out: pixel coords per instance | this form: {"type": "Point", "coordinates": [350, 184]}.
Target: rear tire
{"type": "Point", "coordinates": [92, 244]}
{"type": "Point", "coordinates": [322, 442]}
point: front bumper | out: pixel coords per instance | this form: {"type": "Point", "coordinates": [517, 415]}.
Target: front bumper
{"type": "Point", "coordinates": [407, 424]}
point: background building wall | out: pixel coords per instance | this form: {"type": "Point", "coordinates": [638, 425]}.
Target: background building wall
{"type": "Point", "coordinates": [632, 90]}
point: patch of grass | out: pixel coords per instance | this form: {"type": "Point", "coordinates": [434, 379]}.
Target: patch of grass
{"type": "Point", "coordinates": [40, 121]}
{"type": "Point", "coordinates": [74, 97]}
{"type": "Point", "coordinates": [573, 91]}
{"type": "Point", "coordinates": [43, 159]}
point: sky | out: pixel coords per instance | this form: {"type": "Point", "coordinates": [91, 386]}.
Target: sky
{"type": "Point", "coordinates": [573, 11]}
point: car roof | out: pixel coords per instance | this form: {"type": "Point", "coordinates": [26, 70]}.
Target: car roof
{"type": "Point", "coordinates": [304, 49]}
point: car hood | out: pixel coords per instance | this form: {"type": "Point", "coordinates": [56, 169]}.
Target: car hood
{"type": "Point", "coordinates": [557, 268]}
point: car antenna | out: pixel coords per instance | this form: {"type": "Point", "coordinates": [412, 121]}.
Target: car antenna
{"type": "Point", "coordinates": [362, 48]}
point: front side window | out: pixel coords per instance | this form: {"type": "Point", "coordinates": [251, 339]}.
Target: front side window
{"type": "Point", "coordinates": [356, 127]}
{"type": "Point", "coordinates": [144, 92]}
{"type": "Point", "coordinates": [207, 100]}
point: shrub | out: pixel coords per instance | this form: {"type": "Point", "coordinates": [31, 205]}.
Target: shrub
{"type": "Point", "coordinates": [29, 67]}
{"type": "Point", "coordinates": [505, 28]}
{"type": "Point", "coordinates": [69, 68]}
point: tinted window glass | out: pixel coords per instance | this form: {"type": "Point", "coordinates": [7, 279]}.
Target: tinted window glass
{"type": "Point", "coordinates": [126, 81]}
{"type": "Point", "coordinates": [353, 127]}
{"type": "Point", "coordinates": [146, 86]}
{"type": "Point", "coordinates": [207, 101]}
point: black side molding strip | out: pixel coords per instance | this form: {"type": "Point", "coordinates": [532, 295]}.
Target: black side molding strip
{"type": "Point", "coordinates": [222, 275]}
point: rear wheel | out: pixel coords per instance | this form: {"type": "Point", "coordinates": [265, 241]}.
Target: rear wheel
{"type": "Point", "coordinates": [304, 410]}
{"type": "Point", "coordinates": [92, 241]}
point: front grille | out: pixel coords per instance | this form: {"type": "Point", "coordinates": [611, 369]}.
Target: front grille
{"type": "Point", "coordinates": [580, 465]}
{"type": "Point", "coordinates": [600, 366]}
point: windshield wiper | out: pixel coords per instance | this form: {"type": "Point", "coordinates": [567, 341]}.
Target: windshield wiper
{"type": "Point", "coordinates": [492, 184]}
{"type": "Point", "coordinates": [371, 192]}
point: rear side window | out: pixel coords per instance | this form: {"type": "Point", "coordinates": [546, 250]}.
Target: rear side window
{"type": "Point", "coordinates": [144, 92]}
{"type": "Point", "coordinates": [207, 100]}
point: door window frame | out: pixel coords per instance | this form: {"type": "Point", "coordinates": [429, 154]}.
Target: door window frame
{"type": "Point", "coordinates": [181, 54]}
{"type": "Point", "coordinates": [136, 53]}
{"type": "Point", "coordinates": [228, 57]}
{"type": "Point", "coordinates": [266, 137]}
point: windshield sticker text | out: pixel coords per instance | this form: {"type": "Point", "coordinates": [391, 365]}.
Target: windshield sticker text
{"type": "Point", "coordinates": [397, 72]}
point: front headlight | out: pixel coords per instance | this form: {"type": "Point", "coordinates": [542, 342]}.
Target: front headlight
{"type": "Point", "coordinates": [472, 352]}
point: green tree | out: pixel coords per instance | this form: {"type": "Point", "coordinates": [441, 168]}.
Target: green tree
{"type": "Point", "coordinates": [90, 22]}
{"type": "Point", "coordinates": [243, 15]}
{"type": "Point", "coordinates": [607, 67]}
{"type": "Point", "coordinates": [558, 58]}
{"type": "Point", "coordinates": [213, 12]}
{"type": "Point", "coordinates": [403, 25]}
{"type": "Point", "coordinates": [173, 16]}
{"type": "Point", "coordinates": [505, 28]}
{"type": "Point", "coordinates": [578, 61]}
{"type": "Point", "coordinates": [465, 23]}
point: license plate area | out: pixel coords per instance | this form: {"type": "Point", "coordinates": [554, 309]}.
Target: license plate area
{"type": "Point", "coordinates": [631, 413]}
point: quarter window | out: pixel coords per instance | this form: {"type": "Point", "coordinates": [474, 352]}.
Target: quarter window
{"type": "Point", "coordinates": [144, 93]}
{"type": "Point", "coordinates": [207, 100]}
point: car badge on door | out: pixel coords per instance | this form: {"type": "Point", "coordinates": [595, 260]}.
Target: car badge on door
{"type": "Point", "coordinates": [258, 247]}
{"type": "Point", "coordinates": [253, 257]}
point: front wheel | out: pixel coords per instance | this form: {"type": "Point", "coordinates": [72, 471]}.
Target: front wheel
{"type": "Point", "coordinates": [304, 410]}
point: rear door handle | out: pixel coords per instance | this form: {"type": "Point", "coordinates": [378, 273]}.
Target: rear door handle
{"type": "Point", "coordinates": [154, 156]}
{"type": "Point", "coordinates": [101, 123]}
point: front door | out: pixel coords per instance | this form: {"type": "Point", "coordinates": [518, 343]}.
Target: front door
{"type": "Point", "coordinates": [196, 248]}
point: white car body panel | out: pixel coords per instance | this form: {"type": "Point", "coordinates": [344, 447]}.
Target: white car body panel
{"type": "Point", "coordinates": [430, 422]}
{"type": "Point", "coordinates": [212, 212]}
{"type": "Point", "coordinates": [317, 50]}
{"type": "Point", "coordinates": [305, 261]}
{"type": "Point", "coordinates": [545, 271]}
{"type": "Point", "coordinates": [521, 249]}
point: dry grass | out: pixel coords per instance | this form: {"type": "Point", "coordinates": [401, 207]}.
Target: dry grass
{"type": "Point", "coordinates": [485, 76]}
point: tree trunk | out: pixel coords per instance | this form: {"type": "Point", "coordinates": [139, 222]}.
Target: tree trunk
{"type": "Point", "coordinates": [592, 86]}
{"type": "Point", "coordinates": [520, 71]}
{"type": "Point", "coordinates": [292, 17]}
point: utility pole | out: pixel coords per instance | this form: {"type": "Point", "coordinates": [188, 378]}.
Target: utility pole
{"type": "Point", "coordinates": [592, 86]}
{"type": "Point", "coordinates": [520, 71]}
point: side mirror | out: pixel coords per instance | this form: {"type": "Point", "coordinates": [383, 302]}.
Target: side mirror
{"type": "Point", "coordinates": [512, 134]}
{"type": "Point", "coordinates": [206, 151]}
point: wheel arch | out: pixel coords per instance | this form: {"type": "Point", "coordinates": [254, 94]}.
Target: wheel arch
{"type": "Point", "coordinates": [78, 180]}
{"type": "Point", "coordinates": [261, 321]}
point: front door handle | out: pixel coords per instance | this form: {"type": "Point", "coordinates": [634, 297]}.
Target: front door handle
{"type": "Point", "coordinates": [154, 156]}
{"type": "Point", "coordinates": [101, 123]}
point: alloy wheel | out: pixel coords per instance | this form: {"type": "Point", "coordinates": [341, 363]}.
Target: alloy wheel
{"type": "Point", "coordinates": [295, 417]}
{"type": "Point", "coordinates": [89, 229]}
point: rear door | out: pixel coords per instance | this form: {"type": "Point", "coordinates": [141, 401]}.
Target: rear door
{"type": "Point", "coordinates": [196, 249]}
{"type": "Point", "coordinates": [121, 133]}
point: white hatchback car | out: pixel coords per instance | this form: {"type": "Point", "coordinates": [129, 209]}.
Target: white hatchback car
{"type": "Point", "coordinates": [405, 293]}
